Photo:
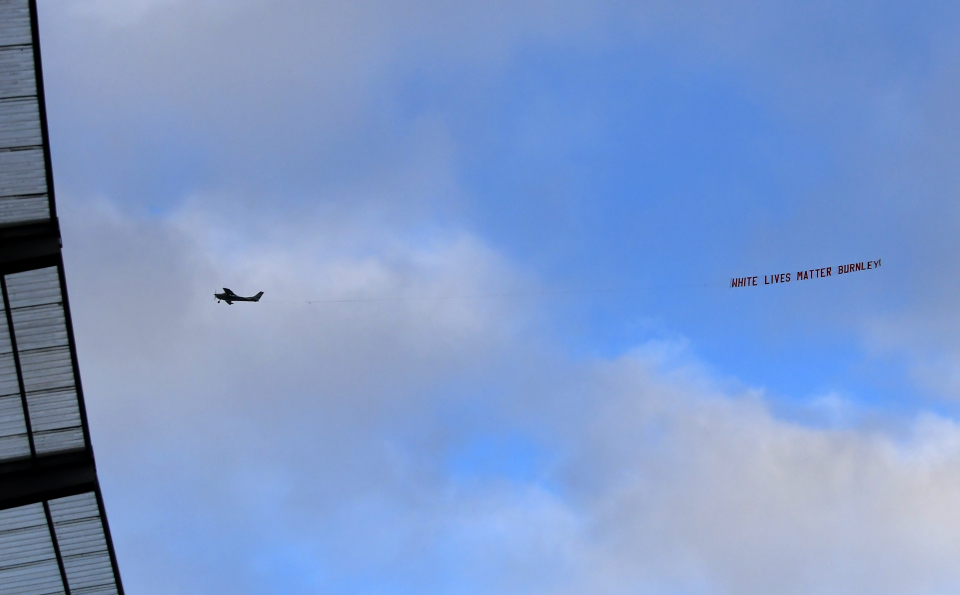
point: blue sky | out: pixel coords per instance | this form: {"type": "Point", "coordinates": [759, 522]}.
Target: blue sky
{"type": "Point", "coordinates": [551, 387]}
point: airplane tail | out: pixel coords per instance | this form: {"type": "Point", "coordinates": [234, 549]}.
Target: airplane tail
{"type": "Point", "coordinates": [256, 298]}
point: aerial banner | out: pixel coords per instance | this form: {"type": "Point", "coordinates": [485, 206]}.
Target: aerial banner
{"type": "Point", "coordinates": [806, 275]}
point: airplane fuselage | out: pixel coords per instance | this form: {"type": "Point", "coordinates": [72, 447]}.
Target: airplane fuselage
{"type": "Point", "coordinates": [230, 297]}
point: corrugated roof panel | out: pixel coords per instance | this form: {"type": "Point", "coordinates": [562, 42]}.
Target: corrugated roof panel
{"type": "Point", "coordinates": [59, 440]}
{"type": "Point", "coordinates": [55, 420]}
{"type": "Point", "coordinates": [23, 186]}
{"type": "Point", "coordinates": [19, 123]}
{"type": "Point", "coordinates": [83, 545]}
{"type": "Point", "coordinates": [53, 411]}
{"type": "Point", "coordinates": [14, 443]}
{"type": "Point", "coordinates": [17, 75]}
{"type": "Point", "coordinates": [46, 370]}
{"type": "Point", "coordinates": [74, 508]}
{"type": "Point", "coordinates": [24, 208]}
{"type": "Point", "coordinates": [8, 372]}
{"type": "Point", "coordinates": [40, 328]}
{"type": "Point", "coordinates": [24, 538]}
{"type": "Point", "coordinates": [28, 564]}
{"type": "Point", "coordinates": [15, 15]}
{"type": "Point", "coordinates": [22, 172]}
{"type": "Point", "coordinates": [34, 288]}
{"type": "Point", "coordinates": [13, 428]}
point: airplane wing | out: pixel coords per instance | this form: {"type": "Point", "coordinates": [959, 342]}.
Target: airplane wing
{"type": "Point", "coordinates": [228, 292]}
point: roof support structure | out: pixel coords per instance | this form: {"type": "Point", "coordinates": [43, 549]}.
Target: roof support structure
{"type": "Point", "coordinates": [47, 478]}
{"type": "Point", "coordinates": [16, 363]}
{"type": "Point", "coordinates": [48, 474]}
{"type": "Point", "coordinates": [56, 547]}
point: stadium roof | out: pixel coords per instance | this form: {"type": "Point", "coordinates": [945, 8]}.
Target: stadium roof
{"type": "Point", "coordinates": [53, 531]}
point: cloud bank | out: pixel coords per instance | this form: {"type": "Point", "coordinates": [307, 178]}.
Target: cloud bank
{"type": "Point", "coordinates": [442, 445]}
{"type": "Point", "coordinates": [416, 155]}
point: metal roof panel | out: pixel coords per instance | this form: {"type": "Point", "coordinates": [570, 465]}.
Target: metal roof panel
{"type": "Point", "coordinates": [15, 15]}
{"type": "Point", "coordinates": [83, 544]}
{"type": "Point", "coordinates": [17, 76]}
{"type": "Point", "coordinates": [28, 564]}
{"type": "Point", "coordinates": [19, 123]}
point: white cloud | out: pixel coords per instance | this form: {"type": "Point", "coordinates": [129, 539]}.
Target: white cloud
{"type": "Point", "coordinates": [304, 448]}
{"type": "Point", "coordinates": [282, 447]}
{"type": "Point", "coordinates": [709, 493]}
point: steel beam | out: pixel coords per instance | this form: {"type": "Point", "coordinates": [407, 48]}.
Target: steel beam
{"type": "Point", "coordinates": [46, 478]}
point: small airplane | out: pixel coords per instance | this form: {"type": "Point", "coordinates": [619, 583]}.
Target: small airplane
{"type": "Point", "coordinates": [230, 297]}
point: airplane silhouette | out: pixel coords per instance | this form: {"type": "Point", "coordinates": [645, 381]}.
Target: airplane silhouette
{"type": "Point", "coordinates": [230, 297]}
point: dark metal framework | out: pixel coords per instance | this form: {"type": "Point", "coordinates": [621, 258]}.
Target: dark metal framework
{"type": "Point", "coordinates": [54, 536]}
